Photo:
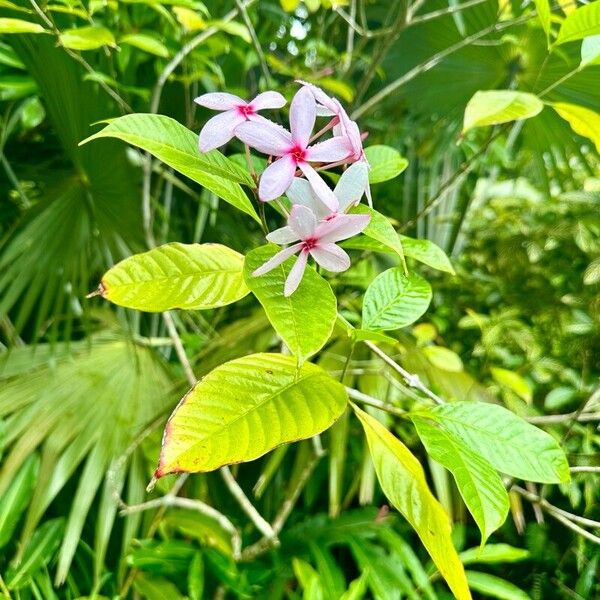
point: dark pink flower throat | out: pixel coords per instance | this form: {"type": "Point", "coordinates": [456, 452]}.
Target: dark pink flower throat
{"type": "Point", "coordinates": [309, 243]}
{"type": "Point", "coordinates": [297, 153]}
{"type": "Point", "coordinates": [245, 109]}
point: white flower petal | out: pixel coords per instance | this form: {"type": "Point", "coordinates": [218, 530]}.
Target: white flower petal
{"type": "Point", "coordinates": [302, 221]}
{"type": "Point", "coordinates": [320, 188]}
{"type": "Point", "coordinates": [341, 227]}
{"type": "Point", "coordinates": [264, 135]}
{"type": "Point", "coordinates": [301, 192]}
{"type": "Point", "coordinates": [351, 186]}
{"type": "Point", "coordinates": [268, 100]}
{"type": "Point", "coordinates": [276, 260]}
{"type": "Point", "coordinates": [331, 150]}
{"type": "Point", "coordinates": [303, 113]}
{"type": "Point", "coordinates": [331, 257]}
{"type": "Point", "coordinates": [282, 236]}
{"type": "Point", "coordinates": [218, 130]}
{"type": "Point", "coordinates": [276, 178]}
{"type": "Point", "coordinates": [219, 101]}
{"type": "Point", "coordinates": [295, 276]}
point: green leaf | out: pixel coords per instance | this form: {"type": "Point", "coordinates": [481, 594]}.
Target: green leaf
{"type": "Point", "coordinates": [403, 482]}
{"type": "Point", "coordinates": [581, 23]}
{"type": "Point", "coordinates": [394, 300]}
{"type": "Point", "coordinates": [16, 498]}
{"type": "Point", "coordinates": [147, 43]}
{"type": "Point", "coordinates": [443, 358]}
{"type": "Point", "coordinates": [493, 553]}
{"type": "Point", "coordinates": [196, 577]}
{"type": "Point", "coordinates": [87, 38]}
{"type": "Point", "coordinates": [427, 252]}
{"type": "Point", "coordinates": [38, 552]}
{"type": "Point", "coordinates": [590, 50]}
{"type": "Point", "coordinates": [478, 482]}
{"type": "Point", "coordinates": [591, 275]}
{"type": "Point", "coordinates": [495, 587]}
{"type": "Point", "coordinates": [186, 276]}
{"type": "Point", "coordinates": [177, 146]}
{"type": "Point", "coordinates": [386, 163]}
{"type": "Point", "coordinates": [584, 121]}
{"type": "Point", "coordinates": [360, 335]}
{"type": "Point", "coordinates": [543, 11]}
{"type": "Point", "coordinates": [245, 408]}
{"type": "Point", "coordinates": [380, 229]}
{"type": "Point", "coordinates": [509, 443]}
{"type": "Point", "coordinates": [304, 320]}
{"type": "Point", "coordinates": [493, 107]}
{"type": "Point", "coordinates": [20, 26]}
{"type": "Point", "coordinates": [514, 382]}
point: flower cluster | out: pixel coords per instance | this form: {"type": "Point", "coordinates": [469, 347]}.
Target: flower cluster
{"type": "Point", "coordinates": [318, 218]}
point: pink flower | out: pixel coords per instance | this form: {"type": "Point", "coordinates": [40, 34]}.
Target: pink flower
{"type": "Point", "coordinates": [293, 149]}
{"type": "Point", "coordinates": [348, 192]}
{"type": "Point", "coordinates": [345, 126]}
{"type": "Point", "coordinates": [316, 240]}
{"type": "Point", "coordinates": [219, 130]}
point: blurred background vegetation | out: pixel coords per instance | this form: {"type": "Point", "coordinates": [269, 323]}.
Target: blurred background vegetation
{"type": "Point", "coordinates": [85, 389]}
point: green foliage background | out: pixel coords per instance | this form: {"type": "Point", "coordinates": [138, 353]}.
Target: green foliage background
{"type": "Point", "coordinates": [85, 389]}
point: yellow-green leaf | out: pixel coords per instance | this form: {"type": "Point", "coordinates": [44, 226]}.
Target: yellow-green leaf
{"type": "Point", "coordinates": [514, 382]}
{"type": "Point", "coordinates": [580, 23]}
{"type": "Point", "coordinates": [147, 43]}
{"type": "Point", "coordinates": [386, 163]}
{"type": "Point", "coordinates": [187, 276]}
{"type": "Point", "coordinates": [584, 121]}
{"type": "Point", "coordinates": [246, 407]}
{"type": "Point", "coordinates": [543, 10]}
{"type": "Point", "coordinates": [493, 107]}
{"type": "Point", "coordinates": [443, 358]}
{"type": "Point", "coordinates": [380, 229]}
{"type": "Point", "coordinates": [20, 26]}
{"type": "Point", "coordinates": [304, 320]}
{"type": "Point", "coordinates": [403, 482]}
{"type": "Point", "coordinates": [87, 38]}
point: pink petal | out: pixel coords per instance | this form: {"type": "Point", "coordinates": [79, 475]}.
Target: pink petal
{"type": "Point", "coordinates": [352, 184]}
{"type": "Point", "coordinates": [302, 221]}
{"type": "Point", "coordinates": [303, 113]}
{"type": "Point", "coordinates": [330, 150]}
{"type": "Point", "coordinates": [295, 277]}
{"type": "Point", "coordinates": [219, 101]}
{"type": "Point", "coordinates": [276, 260]}
{"type": "Point", "coordinates": [268, 100]}
{"type": "Point", "coordinates": [341, 227]}
{"type": "Point", "coordinates": [264, 135]}
{"type": "Point", "coordinates": [319, 187]}
{"type": "Point", "coordinates": [301, 192]}
{"type": "Point", "coordinates": [331, 257]}
{"type": "Point", "coordinates": [283, 235]}
{"type": "Point", "coordinates": [218, 130]}
{"type": "Point", "coordinates": [276, 178]}
{"type": "Point", "coordinates": [330, 104]}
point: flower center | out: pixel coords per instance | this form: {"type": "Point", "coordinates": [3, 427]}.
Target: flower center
{"type": "Point", "coordinates": [330, 217]}
{"type": "Point", "coordinates": [309, 243]}
{"type": "Point", "coordinates": [245, 110]}
{"type": "Point", "coordinates": [297, 153]}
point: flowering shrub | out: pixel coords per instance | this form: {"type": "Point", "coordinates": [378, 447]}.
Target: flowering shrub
{"type": "Point", "coordinates": [248, 406]}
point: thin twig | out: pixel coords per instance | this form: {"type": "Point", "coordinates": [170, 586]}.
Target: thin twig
{"type": "Point", "coordinates": [374, 402]}
{"type": "Point", "coordinates": [255, 42]}
{"type": "Point", "coordinates": [444, 11]}
{"type": "Point", "coordinates": [585, 469]}
{"type": "Point", "coordinates": [566, 418]}
{"type": "Point", "coordinates": [412, 380]}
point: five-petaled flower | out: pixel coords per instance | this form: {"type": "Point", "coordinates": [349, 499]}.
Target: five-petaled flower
{"type": "Point", "coordinates": [293, 150]}
{"type": "Point", "coordinates": [220, 129]}
{"type": "Point", "coordinates": [314, 239]}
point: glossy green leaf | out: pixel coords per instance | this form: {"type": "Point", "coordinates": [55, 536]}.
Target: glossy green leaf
{"type": "Point", "coordinates": [186, 276]}
{"type": "Point", "coordinates": [493, 553]}
{"type": "Point", "coordinates": [580, 23]}
{"type": "Point", "coordinates": [8, 25]}
{"type": "Point", "coordinates": [513, 381]}
{"type": "Point", "coordinates": [543, 12]}
{"type": "Point", "coordinates": [147, 43]}
{"type": "Point", "coordinates": [87, 38]}
{"type": "Point", "coordinates": [196, 578]}
{"type": "Point", "coordinates": [16, 498]}
{"type": "Point", "coordinates": [39, 551]}
{"type": "Point", "coordinates": [403, 482]}
{"type": "Point", "coordinates": [304, 320]}
{"type": "Point", "coordinates": [380, 228]}
{"type": "Point", "coordinates": [395, 300]}
{"type": "Point", "coordinates": [426, 252]}
{"type": "Point", "coordinates": [509, 443]}
{"type": "Point", "coordinates": [584, 121]}
{"type": "Point", "coordinates": [386, 163]}
{"type": "Point", "coordinates": [246, 407]}
{"type": "Point", "coordinates": [478, 482]}
{"type": "Point", "coordinates": [493, 107]}
{"type": "Point", "coordinates": [590, 50]}
{"type": "Point", "coordinates": [443, 358]}
{"type": "Point", "coordinates": [495, 587]}
{"type": "Point", "coordinates": [177, 146]}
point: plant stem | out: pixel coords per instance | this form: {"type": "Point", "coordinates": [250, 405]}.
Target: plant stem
{"type": "Point", "coordinates": [374, 402]}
